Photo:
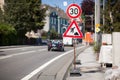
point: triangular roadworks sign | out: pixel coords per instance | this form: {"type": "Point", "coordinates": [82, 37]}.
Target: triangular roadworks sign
{"type": "Point", "coordinates": [73, 31]}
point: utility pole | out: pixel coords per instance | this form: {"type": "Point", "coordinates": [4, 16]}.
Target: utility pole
{"type": "Point", "coordinates": [97, 16]}
{"type": "Point", "coordinates": [103, 13]}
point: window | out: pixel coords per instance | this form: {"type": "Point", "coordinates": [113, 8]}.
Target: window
{"type": "Point", "coordinates": [51, 20]}
{"type": "Point", "coordinates": [60, 20]}
{"type": "Point", "coordinates": [54, 20]}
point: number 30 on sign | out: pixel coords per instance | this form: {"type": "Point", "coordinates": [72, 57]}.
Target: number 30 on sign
{"type": "Point", "coordinates": [74, 11]}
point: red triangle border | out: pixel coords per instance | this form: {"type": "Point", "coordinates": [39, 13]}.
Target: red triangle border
{"type": "Point", "coordinates": [73, 36]}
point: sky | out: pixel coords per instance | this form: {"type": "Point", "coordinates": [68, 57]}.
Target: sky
{"type": "Point", "coordinates": [61, 3]}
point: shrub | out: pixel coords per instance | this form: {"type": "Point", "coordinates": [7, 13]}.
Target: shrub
{"type": "Point", "coordinates": [97, 47]}
{"type": "Point", "coordinates": [7, 34]}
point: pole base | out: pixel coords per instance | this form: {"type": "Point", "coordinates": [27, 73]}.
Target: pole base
{"type": "Point", "coordinates": [75, 72]}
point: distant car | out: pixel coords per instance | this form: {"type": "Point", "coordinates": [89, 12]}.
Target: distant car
{"type": "Point", "coordinates": [55, 45]}
{"type": "Point", "coordinates": [69, 41]}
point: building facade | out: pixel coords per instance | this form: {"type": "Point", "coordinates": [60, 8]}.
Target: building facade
{"type": "Point", "coordinates": [56, 19]}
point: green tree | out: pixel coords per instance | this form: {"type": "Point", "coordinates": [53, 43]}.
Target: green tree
{"type": "Point", "coordinates": [88, 7]}
{"type": "Point", "coordinates": [24, 15]}
{"type": "Point", "coordinates": [7, 34]}
{"type": "Point", "coordinates": [116, 16]}
{"type": "Point", "coordinates": [112, 16]}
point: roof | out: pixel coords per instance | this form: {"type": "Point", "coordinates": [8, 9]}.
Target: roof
{"type": "Point", "coordinates": [59, 11]}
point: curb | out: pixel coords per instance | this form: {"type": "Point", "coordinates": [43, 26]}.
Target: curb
{"type": "Point", "coordinates": [62, 74]}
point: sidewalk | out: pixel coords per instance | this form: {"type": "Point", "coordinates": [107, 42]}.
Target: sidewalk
{"type": "Point", "coordinates": [89, 68]}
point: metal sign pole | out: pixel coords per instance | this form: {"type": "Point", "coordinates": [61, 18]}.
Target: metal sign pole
{"type": "Point", "coordinates": [74, 55]}
{"type": "Point", "coordinates": [74, 11]}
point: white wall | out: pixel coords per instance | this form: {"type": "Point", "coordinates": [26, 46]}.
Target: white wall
{"type": "Point", "coordinates": [46, 27]}
{"type": "Point", "coordinates": [116, 48]}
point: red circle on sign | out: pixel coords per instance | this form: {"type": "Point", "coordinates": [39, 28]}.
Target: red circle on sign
{"type": "Point", "coordinates": [77, 7]}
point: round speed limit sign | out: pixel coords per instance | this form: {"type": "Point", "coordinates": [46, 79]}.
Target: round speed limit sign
{"type": "Point", "coordinates": [74, 11]}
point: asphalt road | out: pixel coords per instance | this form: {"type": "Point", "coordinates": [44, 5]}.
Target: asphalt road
{"type": "Point", "coordinates": [16, 63]}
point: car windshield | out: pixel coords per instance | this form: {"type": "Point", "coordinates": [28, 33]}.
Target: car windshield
{"type": "Point", "coordinates": [56, 41]}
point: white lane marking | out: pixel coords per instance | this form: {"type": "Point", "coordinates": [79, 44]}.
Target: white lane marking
{"type": "Point", "coordinates": [45, 65]}
{"type": "Point", "coordinates": [23, 48]}
{"type": "Point", "coordinates": [8, 56]}
{"type": "Point", "coordinates": [4, 57]}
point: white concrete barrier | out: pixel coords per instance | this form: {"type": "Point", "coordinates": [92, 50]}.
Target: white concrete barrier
{"type": "Point", "coordinates": [107, 38]}
{"type": "Point", "coordinates": [112, 74]}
